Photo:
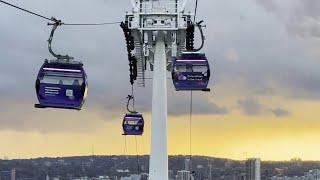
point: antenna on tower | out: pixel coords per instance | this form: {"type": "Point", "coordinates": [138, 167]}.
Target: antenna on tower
{"type": "Point", "coordinates": [134, 5]}
{"type": "Point", "coordinates": [183, 5]}
{"type": "Point", "coordinates": [92, 150]}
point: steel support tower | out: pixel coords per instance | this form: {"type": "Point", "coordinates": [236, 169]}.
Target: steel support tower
{"type": "Point", "coordinates": [159, 31]}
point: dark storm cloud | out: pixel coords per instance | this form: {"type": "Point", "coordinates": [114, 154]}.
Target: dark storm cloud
{"type": "Point", "coordinates": [201, 106]}
{"type": "Point", "coordinates": [309, 8]}
{"type": "Point", "coordinates": [279, 112]}
{"type": "Point", "coordinates": [301, 20]}
{"type": "Point", "coordinates": [20, 116]}
{"type": "Point", "coordinates": [179, 102]}
{"type": "Point", "coordinates": [301, 17]}
{"type": "Point", "coordinates": [269, 5]}
{"type": "Point", "coordinates": [250, 106]}
{"type": "Point", "coordinates": [305, 19]}
{"type": "Point", "coordinates": [269, 59]}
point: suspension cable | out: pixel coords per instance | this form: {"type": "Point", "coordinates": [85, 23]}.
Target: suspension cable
{"type": "Point", "coordinates": [91, 24]}
{"type": "Point", "coordinates": [132, 93]}
{"type": "Point", "coordinates": [138, 163]}
{"type": "Point", "coordinates": [125, 146]}
{"type": "Point", "coordinates": [195, 11]}
{"type": "Point", "coordinates": [190, 129]}
{"type": "Point", "coordinates": [61, 23]}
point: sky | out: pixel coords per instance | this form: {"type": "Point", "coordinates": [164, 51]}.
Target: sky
{"type": "Point", "coordinates": [265, 101]}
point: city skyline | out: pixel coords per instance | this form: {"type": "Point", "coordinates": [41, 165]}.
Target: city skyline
{"type": "Point", "coordinates": [115, 167]}
{"type": "Point", "coordinates": [265, 100]}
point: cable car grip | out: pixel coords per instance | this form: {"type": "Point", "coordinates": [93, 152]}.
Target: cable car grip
{"type": "Point", "coordinates": [55, 25]}
{"type": "Point", "coordinates": [131, 97]}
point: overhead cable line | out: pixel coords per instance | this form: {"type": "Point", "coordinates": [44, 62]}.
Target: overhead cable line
{"type": "Point", "coordinates": [57, 21]}
{"type": "Point", "coordinates": [30, 12]}
{"type": "Point", "coordinates": [91, 24]}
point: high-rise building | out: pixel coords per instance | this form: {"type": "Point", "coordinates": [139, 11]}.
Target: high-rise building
{"type": "Point", "coordinates": [183, 175]}
{"type": "Point", "coordinates": [241, 176]}
{"type": "Point", "coordinates": [210, 172]}
{"type": "Point", "coordinates": [13, 174]}
{"type": "Point", "coordinates": [253, 169]}
{"type": "Point", "coordinates": [187, 164]}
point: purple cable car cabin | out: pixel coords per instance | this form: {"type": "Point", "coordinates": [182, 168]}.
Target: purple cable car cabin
{"type": "Point", "coordinates": [191, 71]}
{"type": "Point", "coordinates": [133, 125]}
{"type": "Point", "coordinates": [61, 85]}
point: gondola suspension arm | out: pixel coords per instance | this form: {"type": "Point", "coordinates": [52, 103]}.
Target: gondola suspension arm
{"type": "Point", "coordinates": [131, 98]}
{"type": "Point", "coordinates": [199, 25]}
{"type": "Point", "coordinates": [134, 5]}
{"type": "Point", "coordinates": [55, 25]}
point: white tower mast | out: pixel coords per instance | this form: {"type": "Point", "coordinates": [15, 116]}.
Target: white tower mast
{"type": "Point", "coordinates": [159, 155]}
{"type": "Point", "coordinates": [159, 31]}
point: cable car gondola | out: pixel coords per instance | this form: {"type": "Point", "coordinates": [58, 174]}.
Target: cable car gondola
{"type": "Point", "coordinates": [61, 85]}
{"type": "Point", "coordinates": [133, 124]}
{"type": "Point", "coordinates": [191, 72]}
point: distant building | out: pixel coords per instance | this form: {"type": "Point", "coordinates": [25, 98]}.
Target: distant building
{"type": "Point", "coordinates": [114, 177]}
{"type": "Point", "coordinates": [253, 169]}
{"type": "Point", "coordinates": [183, 175]}
{"type": "Point", "coordinates": [8, 175]}
{"type": "Point", "coordinates": [171, 175]}
{"type": "Point", "coordinates": [210, 172]}
{"type": "Point", "coordinates": [135, 177]}
{"type": "Point", "coordinates": [13, 174]}
{"type": "Point", "coordinates": [187, 164]}
{"type": "Point", "coordinates": [144, 176]}
{"type": "Point", "coordinates": [241, 176]}
{"type": "Point", "coordinates": [132, 177]}
{"type": "Point", "coordinates": [5, 175]}
{"type": "Point", "coordinates": [102, 178]}
{"type": "Point", "coordinates": [125, 178]}
{"type": "Point", "coordinates": [311, 175]}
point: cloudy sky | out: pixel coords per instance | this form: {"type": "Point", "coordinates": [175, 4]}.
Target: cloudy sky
{"type": "Point", "coordinates": [266, 82]}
